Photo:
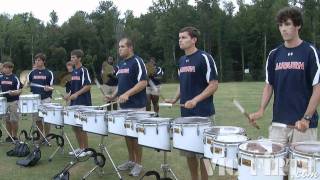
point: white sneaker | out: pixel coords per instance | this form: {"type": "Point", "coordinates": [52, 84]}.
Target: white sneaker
{"type": "Point", "coordinates": [126, 166]}
{"type": "Point", "coordinates": [76, 151]}
{"type": "Point", "coordinates": [136, 170]}
{"type": "Point", "coordinates": [81, 154]}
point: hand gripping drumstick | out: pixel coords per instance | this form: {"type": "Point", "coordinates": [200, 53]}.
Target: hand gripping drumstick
{"type": "Point", "coordinates": [7, 92]}
{"type": "Point", "coordinates": [40, 86]}
{"type": "Point", "coordinates": [243, 111]}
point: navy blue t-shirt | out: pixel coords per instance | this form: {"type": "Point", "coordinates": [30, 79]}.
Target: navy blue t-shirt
{"type": "Point", "coordinates": [43, 77]}
{"type": "Point", "coordinates": [159, 73]}
{"type": "Point", "coordinates": [195, 73]}
{"type": "Point", "coordinates": [80, 78]}
{"type": "Point", "coordinates": [292, 72]}
{"type": "Point", "coordinates": [131, 71]}
{"type": "Point", "coordinates": [10, 82]}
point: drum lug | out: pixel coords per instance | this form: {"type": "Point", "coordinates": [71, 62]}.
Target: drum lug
{"type": "Point", "coordinates": [225, 152]}
{"type": "Point", "coordinates": [181, 131]}
{"type": "Point", "coordinates": [211, 149]}
{"type": "Point", "coordinates": [198, 130]}
{"type": "Point", "coordinates": [157, 130]}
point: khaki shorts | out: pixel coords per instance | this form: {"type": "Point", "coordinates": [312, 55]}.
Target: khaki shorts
{"type": "Point", "coordinates": [153, 91]}
{"type": "Point", "coordinates": [286, 135]}
{"type": "Point", "coordinates": [108, 90]}
{"type": "Point", "coordinates": [193, 154]}
{"type": "Point", "coordinates": [12, 112]}
{"type": "Point", "coordinates": [35, 116]}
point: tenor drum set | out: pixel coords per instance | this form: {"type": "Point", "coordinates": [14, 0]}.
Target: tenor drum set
{"type": "Point", "coordinates": [225, 146]}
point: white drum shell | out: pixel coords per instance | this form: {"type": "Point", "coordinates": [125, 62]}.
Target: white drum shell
{"type": "Point", "coordinates": [225, 150]}
{"type": "Point", "coordinates": [116, 121]}
{"type": "Point", "coordinates": [53, 115]}
{"type": "Point", "coordinates": [261, 167]}
{"type": "Point", "coordinates": [29, 103]}
{"type": "Point", "coordinates": [155, 136]}
{"type": "Point", "coordinates": [3, 105]}
{"type": "Point", "coordinates": [189, 137]}
{"type": "Point", "coordinates": [68, 116]}
{"type": "Point", "coordinates": [304, 166]}
{"type": "Point", "coordinates": [94, 122]}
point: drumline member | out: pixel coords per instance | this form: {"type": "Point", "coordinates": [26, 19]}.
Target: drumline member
{"type": "Point", "coordinates": [292, 74]}
{"type": "Point", "coordinates": [198, 82]}
{"type": "Point", "coordinates": [132, 82]}
{"type": "Point", "coordinates": [43, 76]}
{"type": "Point", "coordinates": [110, 87]}
{"type": "Point", "coordinates": [79, 95]}
{"type": "Point", "coordinates": [10, 82]}
{"type": "Point", "coordinates": [153, 91]}
{"type": "Point", "coordinates": [69, 67]}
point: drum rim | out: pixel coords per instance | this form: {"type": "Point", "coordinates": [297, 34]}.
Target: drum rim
{"type": "Point", "coordinates": [243, 131]}
{"type": "Point", "coordinates": [120, 112]}
{"type": "Point", "coordinates": [25, 96]}
{"type": "Point", "coordinates": [305, 154]}
{"type": "Point", "coordinates": [223, 142]}
{"type": "Point", "coordinates": [142, 112]}
{"type": "Point", "coordinates": [283, 150]}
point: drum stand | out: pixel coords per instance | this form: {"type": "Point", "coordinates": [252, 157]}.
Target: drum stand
{"type": "Point", "coordinates": [33, 127]}
{"type": "Point", "coordinates": [166, 167]}
{"type": "Point", "coordinates": [103, 148]}
{"type": "Point", "coordinates": [4, 127]}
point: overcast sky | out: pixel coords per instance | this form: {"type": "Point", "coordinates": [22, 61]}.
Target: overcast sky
{"type": "Point", "coordinates": [66, 8]}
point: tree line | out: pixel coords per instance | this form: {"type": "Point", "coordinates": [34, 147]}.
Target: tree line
{"type": "Point", "coordinates": [238, 40]}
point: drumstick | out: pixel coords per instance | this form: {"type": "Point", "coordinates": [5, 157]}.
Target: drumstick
{"type": "Point", "coordinates": [7, 92]}
{"type": "Point", "coordinates": [108, 104]}
{"type": "Point", "coordinates": [40, 86]}
{"type": "Point", "coordinates": [170, 105]}
{"type": "Point", "coordinates": [243, 111]}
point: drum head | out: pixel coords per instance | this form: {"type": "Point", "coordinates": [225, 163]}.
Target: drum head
{"type": "Point", "coordinates": [93, 111]}
{"type": "Point", "coordinates": [191, 120]}
{"type": "Point", "coordinates": [262, 147]}
{"type": "Point", "coordinates": [35, 96]}
{"type": "Point", "coordinates": [119, 112]}
{"type": "Point", "coordinates": [306, 148]}
{"type": "Point", "coordinates": [74, 107]}
{"type": "Point", "coordinates": [154, 120]}
{"type": "Point", "coordinates": [231, 138]}
{"type": "Point", "coordinates": [223, 130]}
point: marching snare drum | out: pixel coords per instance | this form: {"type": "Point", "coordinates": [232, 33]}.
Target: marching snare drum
{"type": "Point", "coordinates": [3, 105]}
{"type": "Point", "coordinates": [155, 133]}
{"type": "Point", "coordinates": [68, 115]}
{"type": "Point", "coordinates": [42, 106]}
{"type": "Point", "coordinates": [132, 119]}
{"type": "Point", "coordinates": [305, 161]}
{"type": "Point", "coordinates": [93, 121]}
{"type": "Point", "coordinates": [211, 133]}
{"type": "Point", "coordinates": [52, 114]}
{"type": "Point", "coordinates": [29, 103]}
{"type": "Point", "coordinates": [80, 109]}
{"type": "Point", "coordinates": [225, 150]}
{"type": "Point", "coordinates": [261, 160]}
{"type": "Point", "coordinates": [188, 133]}
{"type": "Point", "coordinates": [116, 121]}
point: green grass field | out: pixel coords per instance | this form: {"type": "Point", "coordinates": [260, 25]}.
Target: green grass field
{"type": "Point", "coordinates": [226, 114]}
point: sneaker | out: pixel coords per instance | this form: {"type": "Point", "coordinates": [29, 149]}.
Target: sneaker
{"type": "Point", "coordinates": [126, 166]}
{"type": "Point", "coordinates": [81, 154]}
{"type": "Point", "coordinates": [76, 151]}
{"type": "Point", "coordinates": [136, 170]}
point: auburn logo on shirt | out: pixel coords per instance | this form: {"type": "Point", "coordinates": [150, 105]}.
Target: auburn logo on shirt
{"type": "Point", "coordinates": [6, 82]}
{"type": "Point", "coordinates": [39, 77]}
{"type": "Point", "coordinates": [76, 78]}
{"type": "Point", "coordinates": [186, 69]}
{"type": "Point", "coordinates": [290, 65]}
{"type": "Point", "coordinates": [124, 71]}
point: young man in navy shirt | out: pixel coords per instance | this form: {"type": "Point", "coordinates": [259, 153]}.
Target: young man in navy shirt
{"type": "Point", "coordinates": [292, 74]}
{"type": "Point", "coordinates": [198, 82]}
{"type": "Point", "coordinates": [79, 95]}
{"type": "Point", "coordinates": [153, 90]}
{"type": "Point", "coordinates": [10, 82]}
{"type": "Point", "coordinates": [43, 76]}
{"type": "Point", "coordinates": [132, 82]}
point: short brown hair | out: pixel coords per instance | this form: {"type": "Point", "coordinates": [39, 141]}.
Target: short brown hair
{"type": "Point", "coordinates": [42, 56]}
{"type": "Point", "coordinates": [128, 41]}
{"type": "Point", "coordinates": [8, 64]}
{"type": "Point", "coordinates": [77, 52]}
{"type": "Point", "coordinates": [192, 31]}
{"type": "Point", "coordinates": [69, 63]}
{"type": "Point", "coordinates": [292, 13]}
